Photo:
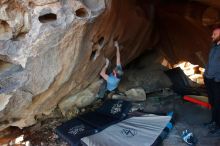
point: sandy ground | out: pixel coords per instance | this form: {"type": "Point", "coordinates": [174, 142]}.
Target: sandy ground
{"type": "Point", "coordinates": [191, 117]}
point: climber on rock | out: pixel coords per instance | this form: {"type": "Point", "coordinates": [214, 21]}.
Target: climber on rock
{"type": "Point", "coordinates": [111, 80]}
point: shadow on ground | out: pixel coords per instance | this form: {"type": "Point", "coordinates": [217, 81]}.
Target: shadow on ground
{"type": "Point", "coordinates": [187, 116]}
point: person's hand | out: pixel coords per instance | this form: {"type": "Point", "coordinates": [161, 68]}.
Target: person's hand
{"type": "Point", "coordinates": [106, 62]}
{"type": "Point", "coordinates": [116, 44]}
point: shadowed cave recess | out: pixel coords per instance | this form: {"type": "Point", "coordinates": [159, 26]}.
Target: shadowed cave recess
{"type": "Point", "coordinates": [52, 51]}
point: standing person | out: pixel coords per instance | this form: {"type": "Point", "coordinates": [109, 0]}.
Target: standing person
{"type": "Point", "coordinates": [111, 80]}
{"type": "Point", "coordinates": [212, 83]}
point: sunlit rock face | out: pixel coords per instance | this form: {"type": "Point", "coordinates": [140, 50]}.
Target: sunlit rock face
{"type": "Point", "coordinates": [52, 51]}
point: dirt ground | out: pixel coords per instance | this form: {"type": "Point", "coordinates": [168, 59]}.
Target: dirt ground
{"type": "Point", "coordinates": [188, 116]}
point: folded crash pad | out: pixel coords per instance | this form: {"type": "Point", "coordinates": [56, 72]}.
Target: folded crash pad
{"type": "Point", "coordinates": [115, 108]}
{"type": "Point", "coordinates": [142, 130]}
{"type": "Point", "coordinates": [72, 131]}
{"type": "Point", "coordinates": [181, 83]}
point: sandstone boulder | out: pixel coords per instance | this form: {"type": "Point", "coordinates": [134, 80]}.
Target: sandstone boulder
{"type": "Point", "coordinates": [81, 99]}
{"type": "Point", "coordinates": [137, 94]}
{"type": "Point", "coordinates": [51, 50]}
